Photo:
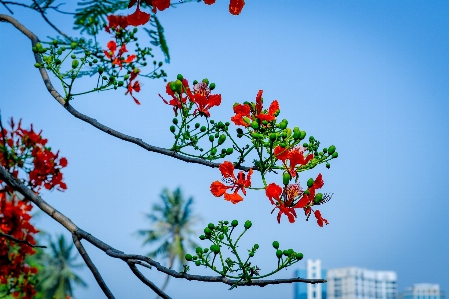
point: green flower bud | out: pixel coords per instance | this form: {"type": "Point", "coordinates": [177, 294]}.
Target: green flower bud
{"type": "Point", "coordinates": [256, 135]}
{"type": "Point", "coordinates": [302, 135]}
{"type": "Point", "coordinates": [211, 138]}
{"type": "Point", "coordinates": [251, 254]}
{"type": "Point", "coordinates": [203, 129]}
{"type": "Point", "coordinates": [195, 82]}
{"type": "Point", "coordinates": [255, 125]}
{"type": "Point", "coordinates": [226, 222]}
{"type": "Point", "coordinates": [197, 125]}
{"type": "Point", "coordinates": [73, 45]}
{"type": "Point", "coordinates": [213, 151]}
{"type": "Point", "coordinates": [58, 61]}
{"type": "Point", "coordinates": [229, 151]}
{"type": "Point", "coordinates": [299, 256]}
{"type": "Point", "coordinates": [283, 125]}
{"type": "Point", "coordinates": [73, 56]}
{"type": "Point", "coordinates": [310, 182]}
{"type": "Point", "coordinates": [215, 248]}
{"type": "Point", "coordinates": [189, 257]}
{"type": "Point", "coordinates": [104, 78]}
{"type": "Point", "coordinates": [120, 83]}
{"type": "Point", "coordinates": [283, 144]}
{"type": "Point", "coordinates": [199, 250]}
{"type": "Point", "coordinates": [285, 252]}
{"type": "Point", "coordinates": [256, 246]}
{"type": "Point", "coordinates": [221, 139]}
{"type": "Point", "coordinates": [207, 231]}
{"type": "Point", "coordinates": [220, 125]}
{"type": "Point", "coordinates": [221, 237]}
{"type": "Point", "coordinates": [328, 165]}
{"type": "Point", "coordinates": [211, 226]}
{"type": "Point", "coordinates": [37, 65]}
{"type": "Point", "coordinates": [175, 121]}
{"type": "Point", "coordinates": [205, 80]}
{"type": "Point", "coordinates": [279, 253]}
{"type": "Point", "coordinates": [34, 49]}
{"type": "Point", "coordinates": [75, 63]}
{"type": "Point", "coordinates": [324, 150]}
{"type": "Point", "coordinates": [100, 70]}
{"type": "Point", "coordinates": [172, 129]}
{"type": "Point", "coordinates": [198, 263]}
{"type": "Point", "coordinates": [286, 178]}
{"type": "Point", "coordinates": [234, 223]}
{"type": "Point", "coordinates": [276, 244]}
{"type": "Point", "coordinates": [331, 149]}
{"type": "Point", "coordinates": [290, 252]}
{"type": "Point", "coordinates": [284, 135]}
{"type": "Point", "coordinates": [247, 224]}
{"type": "Point", "coordinates": [39, 47]}
{"type": "Point", "coordinates": [194, 257]}
{"type": "Point", "coordinates": [273, 137]}
{"type": "Point", "coordinates": [239, 135]}
{"type": "Point", "coordinates": [307, 192]}
{"type": "Point", "coordinates": [160, 63]}
{"type": "Point", "coordinates": [212, 86]}
{"type": "Point", "coordinates": [178, 86]}
{"type": "Point", "coordinates": [202, 237]}
{"type": "Point", "coordinates": [212, 121]}
{"type": "Point", "coordinates": [239, 131]}
{"type": "Point", "coordinates": [335, 155]}
{"type": "Point", "coordinates": [318, 198]}
{"type": "Point", "coordinates": [172, 86]}
{"type": "Point", "coordinates": [305, 144]}
{"type": "Point", "coordinates": [206, 250]}
{"type": "Point", "coordinates": [179, 77]}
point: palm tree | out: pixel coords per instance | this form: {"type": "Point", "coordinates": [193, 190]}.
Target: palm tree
{"type": "Point", "coordinates": [56, 277]}
{"type": "Point", "coordinates": [172, 221]}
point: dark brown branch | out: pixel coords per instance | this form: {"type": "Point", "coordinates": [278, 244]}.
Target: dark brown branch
{"type": "Point", "coordinates": [4, 4]}
{"type": "Point", "coordinates": [92, 267]}
{"type": "Point", "coordinates": [149, 283]}
{"type": "Point", "coordinates": [9, 237]}
{"type": "Point", "coordinates": [109, 250]}
{"type": "Point", "coordinates": [42, 12]}
{"type": "Point", "coordinates": [55, 8]}
{"type": "Point", "coordinates": [34, 39]}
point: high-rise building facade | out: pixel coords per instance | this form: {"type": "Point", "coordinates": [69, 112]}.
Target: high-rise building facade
{"type": "Point", "coordinates": [357, 283]}
{"type": "Point", "coordinates": [307, 290]}
{"type": "Point", "coordinates": [422, 291]}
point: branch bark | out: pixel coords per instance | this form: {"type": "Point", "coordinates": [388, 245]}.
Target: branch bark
{"type": "Point", "coordinates": [151, 148]}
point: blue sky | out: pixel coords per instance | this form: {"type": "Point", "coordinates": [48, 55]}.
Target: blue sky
{"type": "Point", "coordinates": [370, 77]}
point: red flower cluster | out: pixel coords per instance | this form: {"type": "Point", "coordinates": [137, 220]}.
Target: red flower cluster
{"type": "Point", "coordinates": [133, 85]}
{"type": "Point", "coordinates": [118, 59]}
{"type": "Point", "coordinates": [246, 113]}
{"type": "Point", "coordinates": [240, 182]}
{"type": "Point", "coordinates": [295, 156]}
{"type": "Point", "coordinates": [116, 22]}
{"type": "Point", "coordinates": [201, 97]}
{"type": "Point", "coordinates": [293, 197]}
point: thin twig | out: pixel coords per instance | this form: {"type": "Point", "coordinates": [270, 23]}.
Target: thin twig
{"type": "Point", "coordinates": [92, 267]}
{"type": "Point", "coordinates": [145, 280]}
{"type": "Point", "coordinates": [4, 4]}
{"type": "Point", "coordinates": [9, 237]}
{"type": "Point", "coordinates": [55, 8]}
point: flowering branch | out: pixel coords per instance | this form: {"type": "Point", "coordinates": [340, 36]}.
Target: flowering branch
{"type": "Point", "coordinates": [20, 241]}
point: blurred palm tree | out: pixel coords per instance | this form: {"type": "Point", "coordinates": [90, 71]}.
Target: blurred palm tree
{"type": "Point", "coordinates": [56, 276]}
{"type": "Point", "coordinates": [172, 221]}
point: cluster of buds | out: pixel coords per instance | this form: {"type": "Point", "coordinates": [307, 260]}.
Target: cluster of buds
{"type": "Point", "coordinates": [237, 267]}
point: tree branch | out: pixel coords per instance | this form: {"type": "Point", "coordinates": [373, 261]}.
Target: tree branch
{"type": "Point", "coordinates": [111, 251]}
{"type": "Point", "coordinates": [146, 281]}
{"type": "Point", "coordinates": [92, 267]}
{"type": "Point", "coordinates": [9, 237]}
{"type": "Point", "coordinates": [34, 39]}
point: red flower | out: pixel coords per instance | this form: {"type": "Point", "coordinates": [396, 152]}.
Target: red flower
{"type": "Point", "coordinates": [307, 199]}
{"type": "Point", "coordinates": [118, 59]}
{"type": "Point", "coordinates": [138, 17]}
{"type": "Point", "coordinates": [236, 6]}
{"type": "Point", "coordinates": [158, 4]}
{"type": "Point", "coordinates": [116, 22]}
{"type": "Point", "coordinates": [218, 189]}
{"type": "Point", "coordinates": [133, 86]}
{"type": "Point", "coordinates": [209, 2]}
{"type": "Point", "coordinates": [203, 99]}
{"type": "Point", "coordinates": [244, 111]}
{"type": "Point", "coordinates": [319, 219]}
{"type": "Point", "coordinates": [285, 199]}
{"type": "Point", "coordinates": [177, 101]}
{"type": "Point", "coordinates": [294, 155]}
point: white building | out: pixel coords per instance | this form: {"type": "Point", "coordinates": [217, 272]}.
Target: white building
{"type": "Point", "coordinates": [308, 290]}
{"type": "Point", "coordinates": [422, 291]}
{"type": "Point", "coordinates": [357, 283]}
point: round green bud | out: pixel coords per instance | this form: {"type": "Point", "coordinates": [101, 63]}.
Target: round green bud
{"type": "Point", "coordinates": [73, 56]}
{"type": "Point", "coordinates": [335, 155]}
{"type": "Point", "coordinates": [198, 263]}
{"type": "Point", "coordinates": [75, 63]}
{"type": "Point", "coordinates": [211, 138]}
{"type": "Point", "coordinates": [215, 248]}
{"type": "Point", "coordinates": [221, 139]}
{"type": "Point", "coordinates": [302, 135]}
{"type": "Point", "coordinates": [221, 237]}
{"type": "Point", "coordinates": [199, 250]}
{"type": "Point", "coordinates": [213, 151]}
{"type": "Point", "coordinates": [189, 257]}
{"type": "Point", "coordinates": [195, 82]}
{"type": "Point", "coordinates": [178, 86]}
{"type": "Point", "coordinates": [211, 226]}
{"type": "Point", "coordinates": [179, 77]}
{"type": "Point", "coordinates": [59, 52]}
{"type": "Point", "coordinates": [239, 131]}
{"type": "Point", "coordinates": [95, 60]}
{"type": "Point", "coordinates": [73, 45]}
{"type": "Point", "coordinates": [255, 125]}
{"type": "Point", "coordinates": [331, 149]}
{"type": "Point", "coordinates": [203, 237]}
{"type": "Point", "coordinates": [203, 129]}
{"type": "Point", "coordinates": [284, 134]}
{"type": "Point", "coordinates": [205, 80]}
{"type": "Point", "coordinates": [256, 246]}
{"type": "Point", "coordinates": [279, 253]}
{"type": "Point", "coordinates": [256, 135]}
{"type": "Point", "coordinates": [226, 222]}
{"type": "Point", "coordinates": [126, 77]}
{"type": "Point", "coordinates": [220, 125]}
{"type": "Point", "coordinates": [247, 224]}
{"type": "Point", "coordinates": [100, 70]}
{"type": "Point", "coordinates": [296, 133]}
{"type": "Point", "coordinates": [37, 65]}
{"type": "Point", "coordinates": [283, 125]}
{"type": "Point", "coordinates": [120, 83]}
{"type": "Point", "coordinates": [307, 192]}
{"type": "Point", "coordinates": [160, 63]}
{"type": "Point", "coordinates": [212, 121]}
{"type": "Point", "coordinates": [286, 177]}
{"type": "Point", "coordinates": [318, 198]}
{"type": "Point", "coordinates": [310, 182]}
{"type": "Point", "coordinates": [58, 61]}
{"type": "Point", "coordinates": [299, 256]}
{"type": "Point", "coordinates": [290, 252]}
{"type": "Point", "coordinates": [305, 144]}
{"type": "Point", "coordinates": [104, 77]}
{"type": "Point", "coordinates": [197, 125]}
{"type": "Point", "coordinates": [328, 165]}
{"type": "Point", "coordinates": [273, 137]}
{"type": "Point", "coordinates": [229, 151]}
{"type": "Point", "coordinates": [324, 150]}
{"type": "Point", "coordinates": [285, 252]}
{"type": "Point", "coordinates": [276, 244]}
{"type": "Point", "coordinates": [194, 257]}
{"type": "Point", "coordinates": [239, 135]}
{"type": "Point", "coordinates": [234, 223]}
{"type": "Point", "coordinates": [283, 144]}
{"type": "Point", "coordinates": [206, 250]}
{"type": "Point", "coordinates": [175, 121]}
{"type": "Point", "coordinates": [135, 30]}
{"type": "Point", "coordinates": [207, 231]}
{"type": "Point", "coordinates": [251, 254]}
{"type": "Point", "coordinates": [212, 86]}
{"type": "Point", "coordinates": [34, 49]}
{"type": "Point", "coordinates": [172, 129]}
{"type": "Point", "coordinates": [172, 86]}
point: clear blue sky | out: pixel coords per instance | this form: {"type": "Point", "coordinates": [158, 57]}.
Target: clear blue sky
{"type": "Point", "coordinates": [370, 77]}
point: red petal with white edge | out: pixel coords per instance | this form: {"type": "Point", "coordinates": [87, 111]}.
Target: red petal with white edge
{"type": "Point", "coordinates": [138, 18]}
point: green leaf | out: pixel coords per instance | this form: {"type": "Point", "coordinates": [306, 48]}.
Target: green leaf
{"type": "Point", "coordinates": [157, 36]}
